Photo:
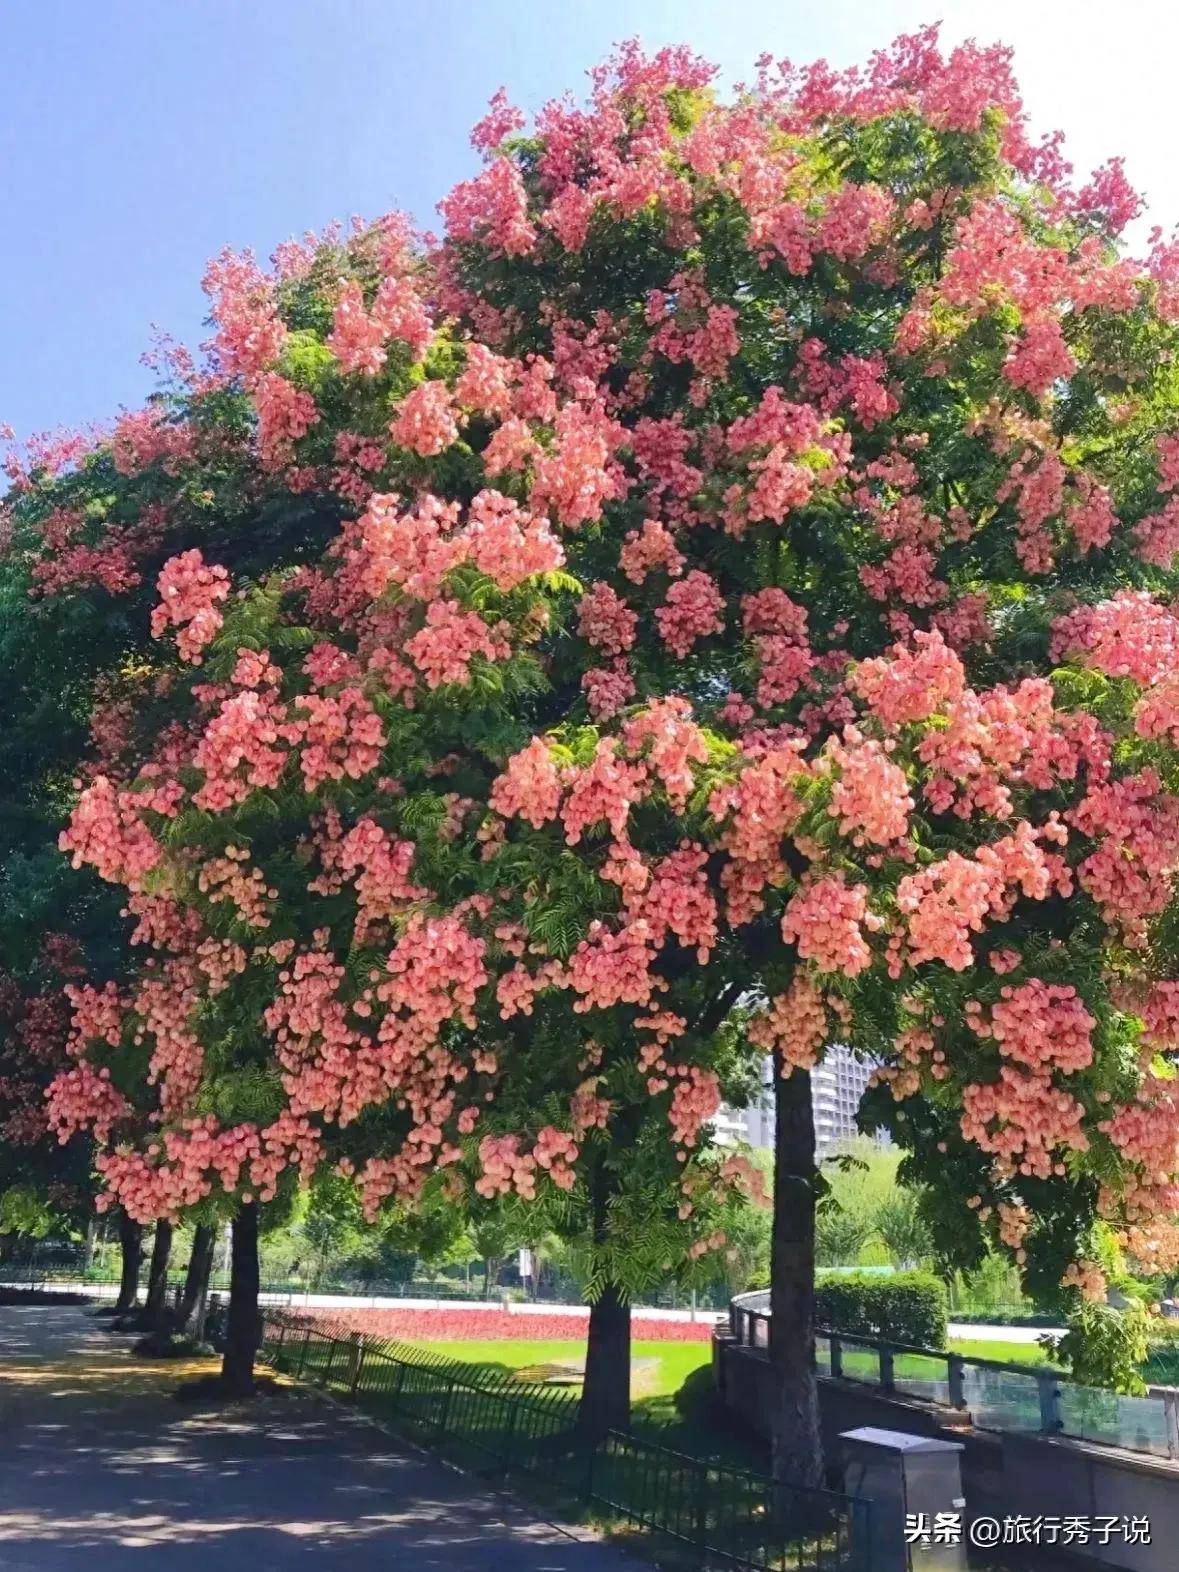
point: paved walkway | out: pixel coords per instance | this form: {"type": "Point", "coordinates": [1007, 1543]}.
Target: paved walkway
{"type": "Point", "coordinates": [102, 1471]}
{"type": "Point", "coordinates": [971, 1332]}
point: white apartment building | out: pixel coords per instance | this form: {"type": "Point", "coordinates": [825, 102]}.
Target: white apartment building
{"type": "Point", "coordinates": [837, 1085]}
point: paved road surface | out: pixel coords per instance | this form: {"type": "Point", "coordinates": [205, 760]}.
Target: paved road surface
{"type": "Point", "coordinates": [101, 1471]}
{"type": "Point", "coordinates": [1002, 1334]}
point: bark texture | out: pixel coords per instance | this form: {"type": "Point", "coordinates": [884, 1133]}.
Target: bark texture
{"type": "Point", "coordinates": [797, 1439]}
{"type": "Point", "coordinates": [243, 1324]}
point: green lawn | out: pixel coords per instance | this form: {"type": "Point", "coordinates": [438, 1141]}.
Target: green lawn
{"type": "Point", "coordinates": [676, 1361]}
{"type": "Point", "coordinates": [1008, 1353]}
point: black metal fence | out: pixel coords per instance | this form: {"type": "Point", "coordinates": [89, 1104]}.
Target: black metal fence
{"type": "Point", "coordinates": [715, 1513]}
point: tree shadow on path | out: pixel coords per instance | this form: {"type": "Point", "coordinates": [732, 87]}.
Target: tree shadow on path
{"type": "Point", "coordinates": [100, 1469]}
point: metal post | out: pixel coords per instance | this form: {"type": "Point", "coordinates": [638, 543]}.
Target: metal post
{"type": "Point", "coordinates": [303, 1350]}
{"type": "Point", "coordinates": [887, 1371]}
{"type": "Point", "coordinates": [701, 1510]}
{"type": "Point", "coordinates": [358, 1363]}
{"type": "Point", "coordinates": [398, 1383]}
{"type": "Point", "coordinates": [836, 1348]}
{"type": "Point", "coordinates": [1171, 1416]}
{"type": "Point", "coordinates": [1050, 1421]}
{"type": "Point", "coordinates": [445, 1418]}
{"type": "Point", "coordinates": [510, 1436]}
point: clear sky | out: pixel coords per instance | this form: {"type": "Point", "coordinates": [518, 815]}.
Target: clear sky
{"type": "Point", "coordinates": [138, 138]}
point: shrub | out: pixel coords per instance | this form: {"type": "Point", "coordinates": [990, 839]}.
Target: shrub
{"type": "Point", "coordinates": [1162, 1361]}
{"type": "Point", "coordinates": [1000, 1316]}
{"type": "Point", "coordinates": [905, 1307]}
{"type": "Point", "coordinates": [1105, 1347]}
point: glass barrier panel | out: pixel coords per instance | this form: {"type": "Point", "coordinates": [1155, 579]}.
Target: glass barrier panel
{"type": "Point", "coordinates": [1002, 1399]}
{"type": "Point", "coordinates": [1137, 1423]}
{"type": "Point", "coordinates": [922, 1375]}
{"type": "Point", "coordinates": [861, 1362]}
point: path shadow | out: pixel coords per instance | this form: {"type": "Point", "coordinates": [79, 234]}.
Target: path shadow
{"type": "Point", "coordinates": [100, 1471]}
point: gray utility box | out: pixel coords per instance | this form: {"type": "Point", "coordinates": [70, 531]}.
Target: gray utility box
{"type": "Point", "coordinates": [910, 1477]}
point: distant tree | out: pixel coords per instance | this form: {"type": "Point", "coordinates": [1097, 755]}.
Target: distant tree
{"type": "Point", "coordinates": [900, 1222]}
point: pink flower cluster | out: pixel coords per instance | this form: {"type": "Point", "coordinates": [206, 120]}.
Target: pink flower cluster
{"type": "Point", "coordinates": [381, 867]}
{"type": "Point", "coordinates": [870, 798]}
{"type": "Point", "coordinates": [1024, 1120]}
{"type": "Point", "coordinates": [693, 609]}
{"type": "Point", "coordinates": [338, 735]}
{"type": "Point", "coordinates": [189, 595]}
{"type": "Point", "coordinates": [1043, 1026]}
{"type": "Point", "coordinates": [605, 620]}
{"type": "Point", "coordinates": [83, 1098]}
{"type": "Point", "coordinates": [107, 831]}
{"type": "Point", "coordinates": [451, 637]}
{"type": "Point", "coordinates": [649, 550]}
{"type": "Point", "coordinates": [285, 413]}
{"type": "Point", "coordinates": [826, 919]}
{"type": "Point", "coordinates": [147, 437]}
{"type": "Point", "coordinates": [425, 420]}
{"type": "Point", "coordinates": [695, 1099]}
{"type": "Point", "coordinates": [793, 1026]}
{"type": "Point", "coordinates": [238, 751]}
{"type": "Point", "coordinates": [666, 737]}
{"type": "Point", "coordinates": [604, 790]}
{"type": "Point", "coordinates": [530, 786]}
{"type": "Point", "coordinates": [613, 967]}
{"type": "Point", "coordinates": [910, 683]}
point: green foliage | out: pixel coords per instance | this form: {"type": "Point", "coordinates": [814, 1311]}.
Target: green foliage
{"type": "Point", "coordinates": [26, 1211]}
{"type": "Point", "coordinates": [865, 1211]}
{"type": "Point", "coordinates": [905, 1307]}
{"type": "Point", "coordinates": [1105, 1347]}
{"type": "Point", "coordinates": [840, 1235]}
{"type": "Point", "coordinates": [900, 1223]}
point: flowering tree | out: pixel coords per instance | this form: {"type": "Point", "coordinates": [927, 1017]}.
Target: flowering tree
{"type": "Point", "coordinates": [41, 1180]}
{"type": "Point", "coordinates": [748, 625]}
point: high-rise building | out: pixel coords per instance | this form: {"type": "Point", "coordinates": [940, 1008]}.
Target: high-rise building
{"type": "Point", "coordinates": [837, 1085]}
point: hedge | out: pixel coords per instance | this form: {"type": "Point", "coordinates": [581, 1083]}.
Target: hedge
{"type": "Point", "coordinates": [1038, 1319]}
{"type": "Point", "coordinates": [905, 1307]}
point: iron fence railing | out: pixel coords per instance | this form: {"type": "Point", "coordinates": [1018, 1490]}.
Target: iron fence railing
{"type": "Point", "coordinates": [713, 1512]}
{"type": "Point", "coordinates": [999, 1394]}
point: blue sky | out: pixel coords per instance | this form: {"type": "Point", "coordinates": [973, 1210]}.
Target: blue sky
{"type": "Point", "coordinates": [136, 139]}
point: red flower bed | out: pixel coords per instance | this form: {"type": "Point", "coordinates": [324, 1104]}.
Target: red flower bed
{"type": "Point", "coordinates": [483, 1326]}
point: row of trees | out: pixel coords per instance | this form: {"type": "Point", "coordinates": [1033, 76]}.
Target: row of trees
{"type": "Point", "coordinates": [716, 600]}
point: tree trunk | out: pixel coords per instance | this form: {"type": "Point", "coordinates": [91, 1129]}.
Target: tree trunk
{"type": "Point", "coordinates": [157, 1277]}
{"type": "Point", "coordinates": [91, 1241]}
{"type": "Point", "coordinates": [196, 1282]}
{"type": "Point", "coordinates": [491, 1273]}
{"type": "Point", "coordinates": [243, 1327]}
{"type": "Point", "coordinates": [605, 1393]}
{"type": "Point", "coordinates": [131, 1249]}
{"type": "Point", "coordinates": [797, 1441]}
